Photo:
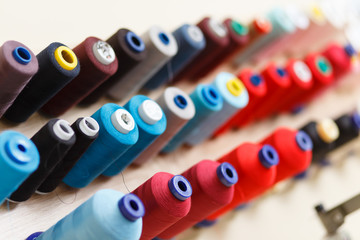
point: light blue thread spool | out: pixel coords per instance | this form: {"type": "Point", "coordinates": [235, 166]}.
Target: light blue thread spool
{"type": "Point", "coordinates": [151, 122]}
{"type": "Point", "coordinates": [207, 101]}
{"type": "Point", "coordinates": [118, 132]}
{"type": "Point", "coordinates": [108, 214]}
{"type": "Point", "coordinates": [231, 105]}
{"type": "Point", "coordinates": [191, 42]}
{"type": "Point", "coordinates": [19, 158]}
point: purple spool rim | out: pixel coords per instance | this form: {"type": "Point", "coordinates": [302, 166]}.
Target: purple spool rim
{"type": "Point", "coordinates": [180, 187]}
{"type": "Point", "coordinates": [268, 156]}
{"type": "Point", "coordinates": [131, 207]}
{"type": "Point", "coordinates": [227, 174]}
{"type": "Point", "coordinates": [134, 42]}
{"type": "Point", "coordinates": [164, 38]}
{"type": "Point", "coordinates": [355, 118]}
{"type": "Point", "coordinates": [304, 141]}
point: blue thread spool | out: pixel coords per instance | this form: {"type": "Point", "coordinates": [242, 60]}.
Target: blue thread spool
{"type": "Point", "coordinates": [207, 101]}
{"type": "Point", "coordinates": [191, 42]}
{"type": "Point", "coordinates": [118, 132]}
{"type": "Point", "coordinates": [108, 214]}
{"type": "Point", "coordinates": [19, 158]}
{"type": "Point", "coordinates": [151, 122]}
{"type": "Point", "coordinates": [235, 97]}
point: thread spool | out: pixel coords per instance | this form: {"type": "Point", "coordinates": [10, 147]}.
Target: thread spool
{"type": "Point", "coordinates": [323, 134]}
{"type": "Point", "coordinates": [213, 187]}
{"type": "Point", "coordinates": [256, 88]}
{"type": "Point", "coordinates": [235, 98]}
{"type": "Point", "coordinates": [191, 42]}
{"type": "Point", "coordinates": [19, 158]}
{"type": "Point", "coordinates": [151, 122]}
{"type": "Point", "coordinates": [86, 131]}
{"type": "Point", "coordinates": [161, 46]}
{"type": "Point", "coordinates": [167, 199]}
{"type": "Point", "coordinates": [207, 101]}
{"type": "Point", "coordinates": [217, 39]}
{"type": "Point", "coordinates": [294, 149]}
{"type": "Point", "coordinates": [17, 65]}
{"type": "Point", "coordinates": [98, 63]}
{"type": "Point", "coordinates": [256, 168]}
{"type": "Point", "coordinates": [58, 65]}
{"type": "Point", "coordinates": [118, 132]}
{"type": "Point", "coordinates": [108, 214]}
{"type": "Point", "coordinates": [130, 51]}
{"type": "Point", "coordinates": [349, 126]}
{"type": "Point", "coordinates": [340, 59]}
{"type": "Point", "coordinates": [53, 141]}
{"type": "Point", "coordinates": [179, 109]}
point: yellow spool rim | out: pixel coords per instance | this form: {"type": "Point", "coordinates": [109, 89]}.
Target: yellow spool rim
{"type": "Point", "coordinates": [327, 130]}
{"type": "Point", "coordinates": [235, 87]}
{"type": "Point", "coordinates": [66, 58]}
{"type": "Point", "coordinates": [317, 14]}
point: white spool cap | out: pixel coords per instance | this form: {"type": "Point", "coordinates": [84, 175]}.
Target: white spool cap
{"type": "Point", "coordinates": [302, 71]}
{"type": "Point", "coordinates": [89, 126]}
{"type": "Point", "coordinates": [63, 130]}
{"type": "Point", "coordinates": [150, 112]}
{"type": "Point", "coordinates": [195, 33]}
{"type": "Point", "coordinates": [297, 16]}
{"type": "Point", "coordinates": [103, 52]}
{"type": "Point", "coordinates": [218, 28]}
{"type": "Point", "coordinates": [123, 121]}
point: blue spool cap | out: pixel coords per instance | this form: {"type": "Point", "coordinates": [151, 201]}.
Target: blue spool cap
{"type": "Point", "coordinates": [34, 236]}
{"type": "Point", "coordinates": [164, 38]}
{"type": "Point", "coordinates": [355, 118]}
{"type": "Point", "coordinates": [301, 176]}
{"type": "Point", "coordinates": [206, 223]}
{"type": "Point", "coordinates": [256, 79]}
{"type": "Point", "coordinates": [22, 55]}
{"type": "Point", "coordinates": [281, 72]}
{"type": "Point", "coordinates": [227, 174]}
{"type": "Point", "coordinates": [304, 141]}
{"type": "Point", "coordinates": [134, 42]}
{"type": "Point", "coordinates": [131, 207]}
{"type": "Point", "coordinates": [18, 149]}
{"type": "Point", "coordinates": [180, 187]}
{"type": "Point", "coordinates": [211, 95]}
{"type": "Point", "coordinates": [180, 101]}
{"type": "Point", "coordinates": [349, 49]}
{"type": "Point", "coordinates": [268, 156]}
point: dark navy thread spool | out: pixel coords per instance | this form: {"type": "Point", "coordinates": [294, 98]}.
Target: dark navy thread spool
{"type": "Point", "coordinates": [130, 51]}
{"type": "Point", "coordinates": [191, 42]}
{"type": "Point", "coordinates": [98, 63]}
{"type": "Point", "coordinates": [86, 131]}
{"type": "Point", "coordinates": [161, 47]}
{"type": "Point", "coordinates": [58, 65]}
{"type": "Point", "coordinates": [108, 214]}
{"type": "Point", "coordinates": [151, 122]}
{"type": "Point", "coordinates": [118, 132]}
{"type": "Point", "coordinates": [17, 65]}
{"type": "Point", "coordinates": [19, 158]}
{"type": "Point", "coordinates": [207, 101]}
{"type": "Point", "coordinates": [349, 127]}
{"type": "Point", "coordinates": [52, 141]}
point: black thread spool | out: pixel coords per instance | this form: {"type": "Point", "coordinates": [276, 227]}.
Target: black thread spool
{"type": "Point", "coordinates": [323, 135]}
{"type": "Point", "coordinates": [52, 141]}
{"type": "Point", "coordinates": [58, 65]}
{"type": "Point", "coordinates": [130, 51]}
{"type": "Point", "coordinates": [349, 126]}
{"type": "Point", "coordinates": [86, 131]}
{"type": "Point", "coordinates": [98, 63]}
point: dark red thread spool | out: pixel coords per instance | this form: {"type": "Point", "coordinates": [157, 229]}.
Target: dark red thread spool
{"type": "Point", "coordinates": [166, 199]}
{"type": "Point", "coordinates": [294, 149]}
{"type": "Point", "coordinates": [256, 168]}
{"type": "Point", "coordinates": [213, 187]}
{"type": "Point", "coordinates": [98, 63]}
{"type": "Point", "coordinates": [340, 58]}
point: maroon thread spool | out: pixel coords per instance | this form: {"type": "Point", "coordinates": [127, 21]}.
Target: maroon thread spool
{"type": "Point", "coordinates": [166, 199]}
{"type": "Point", "coordinates": [213, 187]}
{"type": "Point", "coordinates": [17, 66]}
{"type": "Point", "coordinates": [294, 149]}
{"type": "Point", "coordinates": [98, 63]}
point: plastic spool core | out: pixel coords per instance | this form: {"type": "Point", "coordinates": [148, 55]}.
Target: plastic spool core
{"type": "Point", "coordinates": [17, 149]}
{"type": "Point", "coordinates": [195, 33]}
{"type": "Point", "coordinates": [268, 156]}
{"type": "Point", "coordinates": [210, 95]}
{"type": "Point", "coordinates": [22, 55]}
{"type": "Point", "coordinates": [234, 86]}
{"type": "Point", "coordinates": [302, 71]}
{"type": "Point", "coordinates": [180, 187]}
{"type": "Point", "coordinates": [150, 112]}
{"type": "Point", "coordinates": [103, 52]}
{"type": "Point", "coordinates": [34, 236]}
{"type": "Point", "coordinates": [327, 130]}
{"type": "Point", "coordinates": [349, 50]}
{"type": "Point", "coordinates": [66, 58]}
{"type": "Point", "coordinates": [256, 80]}
{"type": "Point", "coordinates": [355, 118]}
{"type": "Point", "coordinates": [164, 38]}
{"type": "Point", "coordinates": [281, 72]}
{"type": "Point", "coordinates": [323, 65]}
{"type": "Point", "coordinates": [262, 25]}
{"type": "Point", "coordinates": [180, 101]}
{"type": "Point", "coordinates": [238, 28]}
{"type": "Point", "coordinates": [217, 28]}
{"type": "Point", "coordinates": [131, 207]}
{"type": "Point", "coordinates": [63, 130]}
{"type": "Point", "coordinates": [303, 141]}
{"type": "Point", "coordinates": [123, 121]}
{"type": "Point", "coordinates": [227, 174]}
{"type": "Point", "coordinates": [134, 42]}
{"type": "Point", "coordinates": [89, 126]}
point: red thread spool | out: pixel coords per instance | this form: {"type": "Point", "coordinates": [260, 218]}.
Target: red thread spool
{"type": "Point", "coordinates": [340, 59]}
{"type": "Point", "coordinates": [213, 188]}
{"type": "Point", "coordinates": [166, 199]}
{"type": "Point", "coordinates": [294, 149]}
{"type": "Point", "coordinates": [256, 88]}
{"type": "Point", "coordinates": [98, 63]}
{"type": "Point", "coordinates": [256, 168]}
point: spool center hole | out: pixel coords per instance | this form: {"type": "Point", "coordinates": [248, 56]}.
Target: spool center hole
{"type": "Point", "coordinates": [125, 118]}
{"type": "Point", "coordinates": [164, 38]}
{"type": "Point", "coordinates": [134, 205]}
{"type": "Point", "coordinates": [64, 128]}
{"type": "Point", "coordinates": [67, 56]}
{"type": "Point", "coordinates": [213, 94]}
{"type": "Point", "coordinates": [24, 54]}
{"type": "Point", "coordinates": [90, 125]}
{"type": "Point", "coordinates": [182, 186]}
{"type": "Point", "coordinates": [136, 41]}
{"type": "Point", "coordinates": [236, 86]}
{"type": "Point", "coordinates": [21, 147]}
{"type": "Point", "coordinates": [229, 173]}
{"type": "Point", "coordinates": [180, 101]}
{"type": "Point", "coordinates": [270, 154]}
{"type": "Point", "coordinates": [281, 72]}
